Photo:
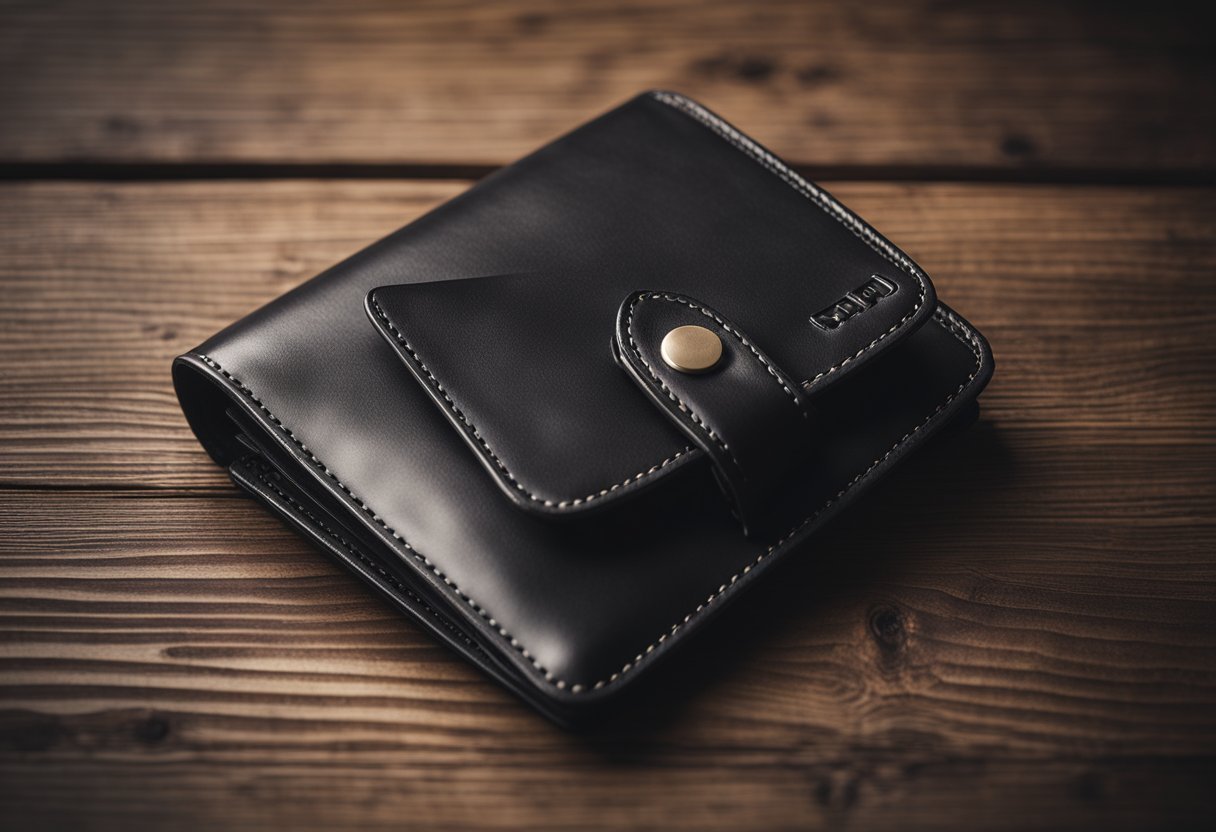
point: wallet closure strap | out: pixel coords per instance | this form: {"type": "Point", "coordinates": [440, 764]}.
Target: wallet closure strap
{"type": "Point", "coordinates": [713, 381]}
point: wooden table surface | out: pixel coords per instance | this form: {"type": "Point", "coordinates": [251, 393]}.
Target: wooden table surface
{"type": "Point", "coordinates": [1017, 630]}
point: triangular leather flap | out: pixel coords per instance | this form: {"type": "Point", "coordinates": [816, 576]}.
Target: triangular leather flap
{"type": "Point", "coordinates": [522, 364]}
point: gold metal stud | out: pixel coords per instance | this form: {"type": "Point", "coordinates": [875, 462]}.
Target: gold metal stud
{"type": "Point", "coordinates": [691, 349]}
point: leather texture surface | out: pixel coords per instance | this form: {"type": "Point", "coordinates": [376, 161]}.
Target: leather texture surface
{"type": "Point", "coordinates": [312, 402]}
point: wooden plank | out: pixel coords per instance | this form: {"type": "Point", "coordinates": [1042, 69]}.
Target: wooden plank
{"type": "Point", "coordinates": [1098, 302]}
{"type": "Point", "coordinates": [895, 84]}
{"type": "Point", "coordinates": [105, 284]}
{"type": "Point", "coordinates": [186, 660]}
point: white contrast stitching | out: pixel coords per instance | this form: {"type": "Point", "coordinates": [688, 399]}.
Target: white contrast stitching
{"type": "Point", "coordinates": [684, 408]}
{"type": "Point", "coordinates": [956, 328]}
{"type": "Point", "coordinates": [485, 446]}
{"type": "Point", "coordinates": [834, 209]}
{"type": "Point", "coordinates": [418, 556]}
{"type": "Point", "coordinates": [679, 402]}
{"type": "Point", "coordinates": [709, 313]}
{"type": "Point", "coordinates": [369, 562]}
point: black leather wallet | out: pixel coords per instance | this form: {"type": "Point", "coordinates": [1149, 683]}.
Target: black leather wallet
{"type": "Point", "coordinates": [563, 419]}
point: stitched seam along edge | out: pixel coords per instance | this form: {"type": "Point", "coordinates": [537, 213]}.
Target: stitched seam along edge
{"type": "Point", "coordinates": [418, 556]}
{"type": "Point", "coordinates": [955, 327]}
{"type": "Point", "coordinates": [680, 403]}
{"type": "Point", "coordinates": [485, 446]}
{"type": "Point", "coordinates": [684, 408]}
{"type": "Point", "coordinates": [709, 313]}
{"type": "Point", "coordinates": [964, 335]}
{"type": "Point", "coordinates": [368, 562]}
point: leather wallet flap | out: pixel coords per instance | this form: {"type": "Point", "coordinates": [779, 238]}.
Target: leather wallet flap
{"type": "Point", "coordinates": [522, 364]}
{"type": "Point", "coordinates": [526, 366]}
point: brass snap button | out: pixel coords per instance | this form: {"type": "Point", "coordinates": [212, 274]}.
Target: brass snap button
{"type": "Point", "coordinates": [691, 349]}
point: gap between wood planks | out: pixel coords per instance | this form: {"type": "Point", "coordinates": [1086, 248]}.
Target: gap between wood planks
{"type": "Point", "coordinates": [188, 171]}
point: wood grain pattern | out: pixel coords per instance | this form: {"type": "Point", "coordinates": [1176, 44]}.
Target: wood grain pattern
{"type": "Point", "coordinates": [101, 297]}
{"type": "Point", "coordinates": [899, 85]}
{"type": "Point", "coordinates": [921, 668]}
{"type": "Point", "coordinates": [1015, 631]}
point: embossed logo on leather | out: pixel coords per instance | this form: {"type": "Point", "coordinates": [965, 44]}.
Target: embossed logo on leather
{"type": "Point", "coordinates": [864, 297]}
